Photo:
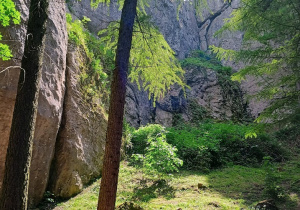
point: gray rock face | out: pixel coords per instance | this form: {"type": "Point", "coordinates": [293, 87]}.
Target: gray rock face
{"type": "Point", "coordinates": [100, 16]}
{"type": "Point", "coordinates": [182, 34]}
{"type": "Point", "coordinates": [50, 98]}
{"type": "Point", "coordinates": [205, 91]}
{"type": "Point", "coordinates": [138, 108]}
{"type": "Point", "coordinates": [81, 140]}
{"type": "Point", "coordinates": [185, 33]}
{"type": "Point", "coordinates": [229, 40]}
{"type": "Point", "coordinates": [213, 22]}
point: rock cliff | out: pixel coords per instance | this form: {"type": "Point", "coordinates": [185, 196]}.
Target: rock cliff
{"type": "Point", "coordinates": [185, 34]}
{"type": "Point", "coordinates": [50, 98]}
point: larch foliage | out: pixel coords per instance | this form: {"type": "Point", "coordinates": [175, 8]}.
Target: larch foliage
{"type": "Point", "coordinates": [153, 64]}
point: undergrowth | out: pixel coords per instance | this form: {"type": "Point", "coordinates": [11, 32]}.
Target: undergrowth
{"type": "Point", "coordinates": [97, 66]}
{"type": "Point", "coordinates": [240, 182]}
{"type": "Point", "coordinates": [210, 145]}
{"type": "Point", "coordinates": [235, 187]}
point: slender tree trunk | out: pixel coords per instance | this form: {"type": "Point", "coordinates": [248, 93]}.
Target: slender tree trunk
{"type": "Point", "coordinates": [18, 158]}
{"type": "Point", "coordinates": [109, 182]}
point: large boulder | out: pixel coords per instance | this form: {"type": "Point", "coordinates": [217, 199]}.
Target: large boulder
{"type": "Point", "coordinates": [81, 139]}
{"type": "Point", "coordinates": [51, 100]}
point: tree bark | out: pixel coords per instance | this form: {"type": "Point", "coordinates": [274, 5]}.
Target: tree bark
{"type": "Point", "coordinates": [109, 182]}
{"type": "Point", "coordinates": [16, 179]}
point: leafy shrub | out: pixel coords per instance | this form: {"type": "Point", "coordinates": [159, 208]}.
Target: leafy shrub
{"type": "Point", "coordinates": [140, 137]}
{"type": "Point", "coordinates": [202, 147]}
{"type": "Point", "coordinates": [200, 59]}
{"type": "Point", "coordinates": [126, 139]}
{"type": "Point", "coordinates": [289, 134]}
{"type": "Point", "coordinates": [160, 156]}
{"type": "Point", "coordinates": [195, 159]}
{"type": "Point", "coordinates": [212, 145]}
{"type": "Point", "coordinates": [198, 113]}
{"type": "Point", "coordinates": [152, 151]}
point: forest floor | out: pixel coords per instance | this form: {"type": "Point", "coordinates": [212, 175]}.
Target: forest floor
{"type": "Point", "coordinates": [234, 187]}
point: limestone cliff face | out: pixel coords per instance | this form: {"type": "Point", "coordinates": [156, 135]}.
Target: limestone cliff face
{"type": "Point", "coordinates": [206, 96]}
{"type": "Point", "coordinates": [182, 34]}
{"type": "Point", "coordinates": [185, 34]}
{"type": "Point", "coordinates": [229, 40]}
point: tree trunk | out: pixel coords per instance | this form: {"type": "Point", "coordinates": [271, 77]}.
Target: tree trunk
{"type": "Point", "coordinates": [18, 158]}
{"type": "Point", "coordinates": [109, 182]}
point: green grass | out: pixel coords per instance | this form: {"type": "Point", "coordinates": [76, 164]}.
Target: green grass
{"type": "Point", "coordinates": [231, 188]}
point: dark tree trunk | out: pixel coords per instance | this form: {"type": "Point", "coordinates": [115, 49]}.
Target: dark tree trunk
{"type": "Point", "coordinates": [109, 182]}
{"type": "Point", "coordinates": [16, 179]}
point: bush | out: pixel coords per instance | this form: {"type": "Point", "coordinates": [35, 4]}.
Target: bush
{"type": "Point", "coordinates": [202, 147]}
{"type": "Point", "coordinates": [161, 156]}
{"type": "Point", "coordinates": [96, 64]}
{"type": "Point", "coordinates": [213, 145]}
{"type": "Point", "coordinates": [154, 153]}
{"type": "Point", "coordinates": [139, 138]}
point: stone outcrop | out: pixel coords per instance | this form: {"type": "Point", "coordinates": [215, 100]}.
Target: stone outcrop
{"type": "Point", "coordinates": [179, 29]}
{"type": "Point", "coordinates": [184, 31]}
{"type": "Point", "coordinates": [187, 33]}
{"type": "Point", "coordinates": [81, 139]}
{"type": "Point", "coordinates": [206, 93]}
{"type": "Point", "coordinates": [50, 97]}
